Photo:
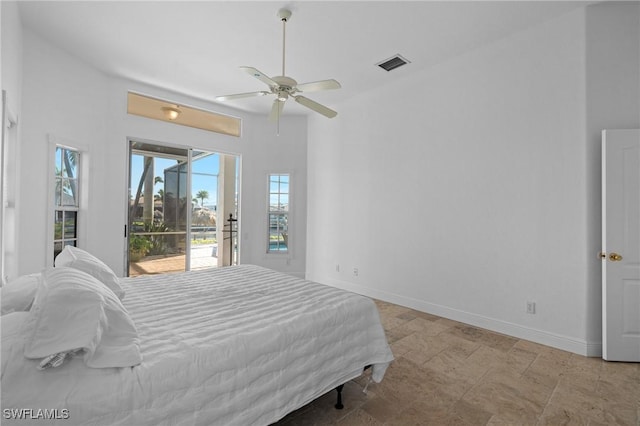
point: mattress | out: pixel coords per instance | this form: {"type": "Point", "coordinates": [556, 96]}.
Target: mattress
{"type": "Point", "coordinates": [241, 345]}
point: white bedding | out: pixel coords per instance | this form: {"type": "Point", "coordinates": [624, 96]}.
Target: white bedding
{"type": "Point", "coordinates": [239, 345]}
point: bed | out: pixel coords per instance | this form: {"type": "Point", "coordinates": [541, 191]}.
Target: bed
{"type": "Point", "coordinates": [240, 345]}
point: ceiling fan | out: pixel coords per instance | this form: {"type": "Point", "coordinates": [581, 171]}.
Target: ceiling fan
{"type": "Point", "coordinates": [286, 87]}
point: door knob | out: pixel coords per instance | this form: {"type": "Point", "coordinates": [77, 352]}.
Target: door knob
{"type": "Point", "coordinates": [615, 257]}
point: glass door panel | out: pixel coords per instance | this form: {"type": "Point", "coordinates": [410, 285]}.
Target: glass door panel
{"type": "Point", "coordinates": [158, 209]}
{"type": "Point", "coordinates": [205, 167]}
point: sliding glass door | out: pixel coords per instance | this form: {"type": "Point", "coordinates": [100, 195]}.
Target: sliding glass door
{"type": "Point", "coordinates": [205, 168]}
{"type": "Point", "coordinates": [174, 206]}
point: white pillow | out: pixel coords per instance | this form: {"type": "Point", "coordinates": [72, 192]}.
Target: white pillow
{"type": "Point", "coordinates": [17, 295]}
{"type": "Point", "coordinates": [11, 326]}
{"type": "Point", "coordinates": [73, 310]}
{"type": "Point", "coordinates": [85, 261]}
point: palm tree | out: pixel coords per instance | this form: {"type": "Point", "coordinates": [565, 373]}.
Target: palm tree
{"type": "Point", "coordinates": [68, 186]}
{"type": "Point", "coordinates": [202, 194]}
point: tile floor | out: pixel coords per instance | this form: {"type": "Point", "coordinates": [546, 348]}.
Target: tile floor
{"type": "Point", "coordinates": [449, 373]}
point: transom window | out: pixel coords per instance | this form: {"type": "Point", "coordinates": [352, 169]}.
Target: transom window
{"type": "Point", "coordinates": [66, 198]}
{"type": "Point", "coordinates": [278, 214]}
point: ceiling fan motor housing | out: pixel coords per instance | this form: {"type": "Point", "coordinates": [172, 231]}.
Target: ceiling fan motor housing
{"type": "Point", "coordinates": [285, 83]}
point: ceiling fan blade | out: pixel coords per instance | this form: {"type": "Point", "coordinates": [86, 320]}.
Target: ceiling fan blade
{"type": "Point", "coordinates": [276, 110]}
{"type": "Point", "coordinates": [317, 86]}
{"type": "Point", "coordinates": [241, 95]}
{"type": "Point", "coordinates": [260, 76]}
{"type": "Point", "coordinates": [319, 108]}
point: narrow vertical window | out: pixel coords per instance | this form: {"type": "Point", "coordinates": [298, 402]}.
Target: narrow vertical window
{"type": "Point", "coordinates": [66, 199]}
{"type": "Point", "coordinates": [278, 214]}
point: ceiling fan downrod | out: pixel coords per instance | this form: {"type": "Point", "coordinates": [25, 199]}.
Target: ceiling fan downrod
{"type": "Point", "coordinates": [284, 15]}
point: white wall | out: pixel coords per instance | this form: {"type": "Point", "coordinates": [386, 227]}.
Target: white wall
{"type": "Point", "coordinates": [68, 99]}
{"type": "Point", "coordinates": [613, 102]}
{"type": "Point", "coordinates": [286, 153]}
{"type": "Point", "coordinates": [462, 191]}
{"type": "Point", "coordinates": [11, 55]}
{"type": "Point", "coordinates": [65, 99]}
{"type": "Point", "coordinates": [11, 72]}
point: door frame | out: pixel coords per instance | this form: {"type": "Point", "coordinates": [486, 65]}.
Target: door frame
{"type": "Point", "coordinates": [620, 351]}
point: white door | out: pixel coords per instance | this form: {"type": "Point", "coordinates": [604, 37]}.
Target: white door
{"type": "Point", "coordinates": [621, 245]}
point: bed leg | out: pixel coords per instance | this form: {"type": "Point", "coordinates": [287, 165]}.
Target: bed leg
{"type": "Point", "coordinates": [339, 405]}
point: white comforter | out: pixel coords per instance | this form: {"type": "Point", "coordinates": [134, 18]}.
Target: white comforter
{"type": "Point", "coordinates": [232, 346]}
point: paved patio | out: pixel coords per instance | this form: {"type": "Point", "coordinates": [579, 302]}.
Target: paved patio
{"type": "Point", "coordinates": [201, 258]}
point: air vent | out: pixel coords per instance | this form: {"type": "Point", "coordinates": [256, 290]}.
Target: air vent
{"type": "Point", "coordinates": [393, 63]}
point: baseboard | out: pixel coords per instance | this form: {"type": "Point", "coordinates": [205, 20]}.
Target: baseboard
{"type": "Point", "coordinates": [570, 344]}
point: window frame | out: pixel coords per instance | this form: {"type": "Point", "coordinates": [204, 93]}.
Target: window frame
{"type": "Point", "coordinates": [62, 209]}
{"type": "Point", "coordinates": [82, 195]}
{"type": "Point", "coordinates": [288, 214]}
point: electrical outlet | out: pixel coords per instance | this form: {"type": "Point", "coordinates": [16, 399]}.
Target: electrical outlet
{"type": "Point", "coordinates": [355, 272]}
{"type": "Point", "coordinates": [531, 307]}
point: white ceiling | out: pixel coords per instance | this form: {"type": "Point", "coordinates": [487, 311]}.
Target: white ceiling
{"type": "Point", "coordinates": [195, 48]}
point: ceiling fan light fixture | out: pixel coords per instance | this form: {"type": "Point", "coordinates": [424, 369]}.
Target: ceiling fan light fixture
{"type": "Point", "coordinates": [282, 96]}
{"type": "Point", "coordinates": [171, 113]}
